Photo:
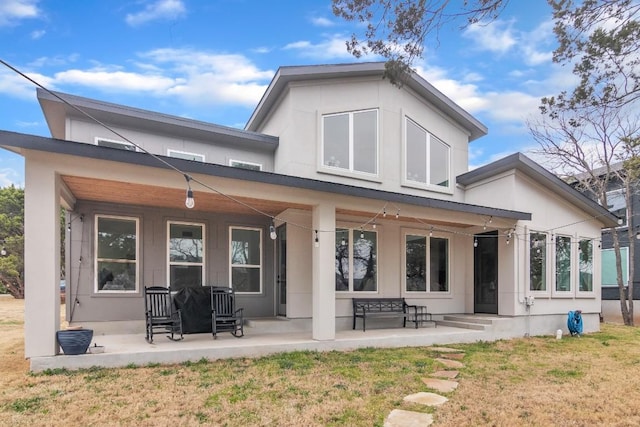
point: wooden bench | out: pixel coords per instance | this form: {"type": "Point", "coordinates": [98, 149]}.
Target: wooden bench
{"type": "Point", "coordinates": [383, 307]}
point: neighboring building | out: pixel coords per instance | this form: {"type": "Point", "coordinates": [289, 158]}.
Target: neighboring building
{"type": "Point", "coordinates": [616, 199]}
{"type": "Point", "coordinates": [367, 186]}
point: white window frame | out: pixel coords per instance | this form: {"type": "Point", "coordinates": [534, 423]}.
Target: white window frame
{"type": "Point", "coordinates": [428, 236]}
{"type": "Point", "coordinates": [549, 279]}
{"type": "Point", "coordinates": [351, 232]}
{"type": "Point", "coordinates": [625, 254]}
{"type": "Point", "coordinates": [572, 266]}
{"type": "Point", "coordinates": [184, 155]}
{"type": "Point", "coordinates": [350, 171]}
{"type": "Point", "coordinates": [258, 266]}
{"type": "Point", "coordinates": [405, 153]}
{"type": "Point", "coordinates": [590, 293]}
{"type": "Point", "coordinates": [188, 264]}
{"type": "Point", "coordinates": [238, 164]}
{"type": "Point", "coordinates": [124, 144]}
{"type": "Point", "coordinates": [626, 206]}
{"type": "Point", "coordinates": [96, 260]}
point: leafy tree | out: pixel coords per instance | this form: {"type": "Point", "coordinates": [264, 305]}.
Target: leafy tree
{"type": "Point", "coordinates": [592, 132]}
{"type": "Point", "coordinates": [12, 241]}
{"type": "Point", "coordinates": [397, 30]}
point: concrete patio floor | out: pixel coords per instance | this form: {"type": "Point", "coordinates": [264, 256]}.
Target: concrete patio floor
{"type": "Point", "coordinates": [132, 349]}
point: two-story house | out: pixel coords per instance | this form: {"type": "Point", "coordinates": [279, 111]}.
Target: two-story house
{"type": "Point", "coordinates": [341, 185]}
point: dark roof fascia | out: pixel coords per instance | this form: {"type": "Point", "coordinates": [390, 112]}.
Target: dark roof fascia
{"type": "Point", "coordinates": [286, 75]}
{"type": "Point", "coordinates": [159, 122]}
{"type": "Point", "coordinates": [522, 163]}
{"type": "Point", "coordinates": [39, 143]}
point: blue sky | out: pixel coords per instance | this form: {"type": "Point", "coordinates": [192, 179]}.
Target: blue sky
{"type": "Point", "coordinates": [212, 60]}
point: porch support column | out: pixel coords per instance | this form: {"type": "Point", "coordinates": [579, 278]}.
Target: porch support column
{"type": "Point", "coordinates": [42, 259]}
{"type": "Point", "coordinates": [323, 271]}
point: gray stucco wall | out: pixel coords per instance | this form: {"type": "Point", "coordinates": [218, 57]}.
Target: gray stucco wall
{"type": "Point", "coordinates": [93, 306]}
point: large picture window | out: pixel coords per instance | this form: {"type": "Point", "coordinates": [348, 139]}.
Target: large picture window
{"type": "Point", "coordinates": [585, 263]}
{"type": "Point", "coordinates": [537, 262]}
{"type": "Point", "coordinates": [356, 260]}
{"type": "Point", "coordinates": [186, 254]}
{"type": "Point", "coordinates": [426, 264]}
{"type": "Point", "coordinates": [350, 141]}
{"type": "Point", "coordinates": [245, 257]}
{"type": "Point", "coordinates": [117, 248]}
{"type": "Point", "coordinates": [427, 157]}
{"type": "Point", "coordinates": [609, 271]}
{"type": "Point", "coordinates": [563, 264]}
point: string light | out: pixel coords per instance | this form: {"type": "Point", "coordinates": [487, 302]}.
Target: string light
{"type": "Point", "coordinates": [190, 201]}
{"type": "Point", "coordinates": [317, 240]}
{"type": "Point", "coordinates": [272, 231]}
{"type": "Point", "coordinates": [475, 242]}
{"type": "Point", "coordinates": [398, 213]}
{"type": "Point", "coordinates": [361, 233]}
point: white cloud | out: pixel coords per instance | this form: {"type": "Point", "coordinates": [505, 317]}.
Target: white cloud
{"type": "Point", "coordinates": [108, 79]}
{"type": "Point", "coordinates": [536, 45]}
{"type": "Point", "coordinates": [496, 36]}
{"type": "Point", "coordinates": [10, 177]}
{"type": "Point", "coordinates": [466, 95]}
{"type": "Point", "coordinates": [38, 34]}
{"type": "Point", "coordinates": [320, 21]}
{"type": "Point", "coordinates": [14, 85]}
{"type": "Point", "coordinates": [13, 11]}
{"type": "Point", "coordinates": [332, 47]}
{"type": "Point", "coordinates": [159, 10]}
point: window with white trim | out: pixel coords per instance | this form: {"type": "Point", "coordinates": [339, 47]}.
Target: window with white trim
{"type": "Point", "coordinates": [585, 265]}
{"type": "Point", "coordinates": [111, 143]}
{"type": "Point", "coordinates": [350, 141]}
{"type": "Point", "coordinates": [245, 165]}
{"type": "Point", "coordinates": [617, 205]}
{"type": "Point", "coordinates": [563, 263]}
{"type": "Point", "coordinates": [426, 263]}
{"type": "Point", "coordinates": [185, 254]}
{"type": "Point", "coordinates": [116, 253]}
{"type": "Point", "coordinates": [537, 261]}
{"type": "Point", "coordinates": [356, 264]}
{"type": "Point", "coordinates": [245, 259]}
{"type": "Point", "coordinates": [609, 270]}
{"type": "Point", "coordinates": [185, 155]}
{"type": "Point", "coordinates": [427, 157]}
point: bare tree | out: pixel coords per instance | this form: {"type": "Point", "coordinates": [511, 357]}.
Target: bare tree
{"type": "Point", "coordinates": [397, 30]}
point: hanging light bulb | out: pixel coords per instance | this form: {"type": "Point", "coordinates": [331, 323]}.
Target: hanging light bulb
{"type": "Point", "coordinates": [272, 232]}
{"type": "Point", "coordinates": [397, 213]}
{"type": "Point", "coordinates": [384, 212]}
{"type": "Point", "coordinates": [374, 225]}
{"type": "Point", "coordinates": [431, 232]}
{"type": "Point", "coordinates": [475, 242]}
{"type": "Point", "coordinates": [316, 243]}
{"type": "Point", "coordinates": [69, 226]}
{"type": "Point", "coordinates": [3, 251]}
{"type": "Point", "coordinates": [190, 201]}
{"type": "Point", "coordinates": [361, 234]}
{"type": "Point", "coordinates": [343, 242]}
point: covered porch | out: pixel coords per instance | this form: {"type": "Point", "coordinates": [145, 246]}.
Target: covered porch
{"type": "Point", "coordinates": [83, 178]}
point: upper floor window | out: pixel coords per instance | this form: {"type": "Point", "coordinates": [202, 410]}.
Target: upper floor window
{"type": "Point", "coordinates": [356, 260]}
{"type": "Point", "coordinates": [350, 141]}
{"type": "Point", "coordinates": [427, 157]}
{"type": "Point", "coordinates": [122, 145]}
{"type": "Point", "coordinates": [116, 243]}
{"type": "Point", "coordinates": [245, 165]}
{"type": "Point", "coordinates": [617, 205]}
{"type": "Point", "coordinates": [186, 254]}
{"type": "Point", "coordinates": [185, 155]}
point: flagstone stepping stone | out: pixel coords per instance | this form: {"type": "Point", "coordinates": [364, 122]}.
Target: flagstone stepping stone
{"type": "Point", "coordinates": [426, 398]}
{"type": "Point", "coordinates": [443, 386]}
{"type": "Point", "coordinates": [450, 363]}
{"type": "Point", "coordinates": [445, 350]}
{"type": "Point", "coordinates": [445, 374]}
{"type": "Point", "coordinates": [402, 418]}
{"type": "Point", "coordinates": [456, 356]}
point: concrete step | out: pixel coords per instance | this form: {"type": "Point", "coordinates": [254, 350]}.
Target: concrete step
{"type": "Point", "coordinates": [469, 319]}
{"type": "Point", "coordinates": [464, 325]}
